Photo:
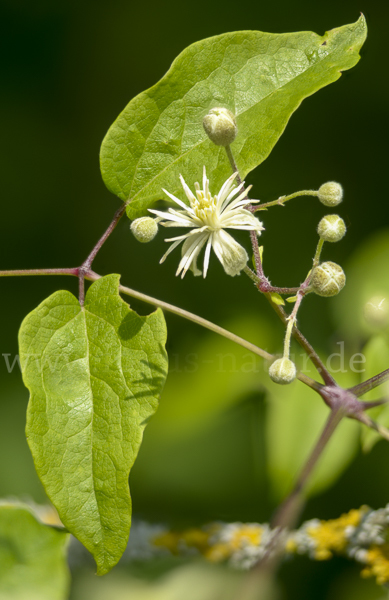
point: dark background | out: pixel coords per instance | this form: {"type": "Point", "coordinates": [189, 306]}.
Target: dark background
{"type": "Point", "coordinates": [67, 69]}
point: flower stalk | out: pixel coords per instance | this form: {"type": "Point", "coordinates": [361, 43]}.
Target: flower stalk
{"type": "Point", "coordinates": [282, 199]}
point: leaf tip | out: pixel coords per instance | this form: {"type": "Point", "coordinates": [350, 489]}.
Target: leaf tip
{"type": "Point", "coordinates": [361, 25]}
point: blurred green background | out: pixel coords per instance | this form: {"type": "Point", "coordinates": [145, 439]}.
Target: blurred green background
{"type": "Point", "coordinates": [219, 447]}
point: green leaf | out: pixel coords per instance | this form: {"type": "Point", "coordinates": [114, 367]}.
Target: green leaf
{"type": "Point", "coordinates": [261, 77]}
{"type": "Point", "coordinates": [95, 375]}
{"type": "Point", "coordinates": [277, 299]}
{"type": "Point", "coordinates": [32, 557]}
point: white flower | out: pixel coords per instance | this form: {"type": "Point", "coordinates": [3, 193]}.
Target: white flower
{"type": "Point", "coordinates": [208, 217]}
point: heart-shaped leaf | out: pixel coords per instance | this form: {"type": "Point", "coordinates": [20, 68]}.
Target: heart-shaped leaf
{"type": "Point", "coordinates": [261, 77]}
{"type": "Point", "coordinates": [95, 375]}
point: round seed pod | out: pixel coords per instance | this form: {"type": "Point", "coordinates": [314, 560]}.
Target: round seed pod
{"type": "Point", "coordinates": [331, 228]}
{"type": "Point", "coordinates": [144, 229]}
{"type": "Point", "coordinates": [327, 279]}
{"type": "Point", "coordinates": [220, 126]}
{"type": "Point", "coordinates": [330, 193]}
{"type": "Point", "coordinates": [282, 371]}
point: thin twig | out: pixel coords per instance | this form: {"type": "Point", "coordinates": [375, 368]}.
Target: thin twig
{"type": "Point", "coordinates": [291, 323]}
{"type": "Point", "coordinates": [81, 287]}
{"type": "Point", "coordinates": [366, 420]}
{"type": "Point", "coordinates": [316, 258]}
{"type": "Point", "coordinates": [233, 164]}
{"type": "Point", "coordinates": [269, 287]}
{"type": "Point", "coordinates": [27, 272]}
{"type": "Point", "coordinates": [282, 199]}
{"type": "Point", "coordinates": [299, 337]}
{"type": "Point", "coordinates": [87, 264]}
{"type": "Point", "coordinates": [257, 257]}
{"type": "Point", "coordinates": [370, 384]}
{"type": "Point", "coordinates": [367, 405]}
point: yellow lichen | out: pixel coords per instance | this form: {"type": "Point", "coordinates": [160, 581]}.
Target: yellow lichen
{"type": "Point", "coordinates": [169, 540]}
{"type": "Point", "coordinates": [377, 559]}
{"type": "Point", "coordinates": [330, 536]}
{"type": "Point", "coordinates": [242, 536]}
{"type": "Point", "coordinates": [246, 535]}
{"type": "Point", "coordinates": [291, 546]}
{"type": "Point", "coordinates": [218, 552]}
{"type": "Point", "coordinates": [189, 538]}
{"type": "Point", "coordinates": [218, 543]}
{"type": "Point", "coordinates": [196, 538]}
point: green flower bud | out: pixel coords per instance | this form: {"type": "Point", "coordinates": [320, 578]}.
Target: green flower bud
{"type": "Point", "coordinates": [376, 312]}
{"type": "Point", "coordinates": [144, 229]}
{"type": "Point", "coordinates": [330, 193]}
{"type": "Point", "coordinates": [282, 371]}
{"type": "Point", "coordinates": [220, 126]}
{"type": "Point", "coordinates": [331, 228]}
{"type": "Point", "coordinates": [327, 279]}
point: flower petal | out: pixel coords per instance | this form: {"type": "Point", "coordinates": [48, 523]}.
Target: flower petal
{"type": "Point", "coordinates": [189, 248]}
{"type": "Point", "coordinates": [191, 197]}
{"type": "Point", "coordinates": [228, 205]}
{"type": "Point", "coordinates": [170, 249]}
{"type": "Point", "coordinates": [193, 267]}
{"type": "Point", "coordinates": [226, 189]}
{"type": "Point", "coordinates": [242, 221]}
{"type": "Point", "coordinates": [206, 256]}
{"type": "Point", "coordinates": [179, 237]}
{"type": "Point", "coordinates": [187, 235]}
{"type": "Point", "coordinates": [231, 254]}
{"type": "Point", "coordinates": [179, 202]}
{"type": "Point", "coordinates": [205, 183]}
{"type": "Point", "coordinates": [178, 219]}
